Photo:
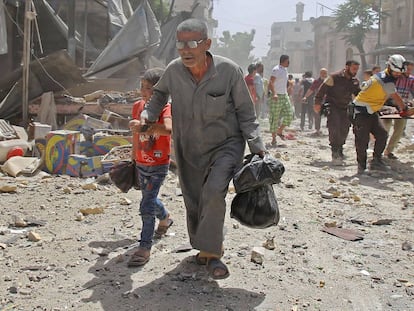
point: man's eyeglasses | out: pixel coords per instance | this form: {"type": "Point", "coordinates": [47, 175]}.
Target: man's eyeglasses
{"type": "Point", "coordinates": [191, 44]}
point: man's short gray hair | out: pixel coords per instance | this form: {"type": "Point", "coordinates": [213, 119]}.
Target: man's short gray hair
{"type": "Point", "coordinates": [193, 25]}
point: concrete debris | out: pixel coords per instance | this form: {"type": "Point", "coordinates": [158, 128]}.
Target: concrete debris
{"type": "Point", "coordinates": [269, 243]}
{"type": "Point", "coordinates": [91, 186]}
{"type": "Point", "coordinates": [327, 195]}
{"type": "Point", "coordinates": [19, 222]}
{"type": "Point", "coordinates": [33, 236]}
{"type": "Point", "coordinates": [79, 216]}
{"type": "Point", "coordinates": [354, 181]}
{"type": "Point", "coordinates": [8, 188]}
{"type": "Point", "coordinates": [382, 222]}
{"type": "Point", "coordinates": [91, 211]}
{"type": "Point", "coordinates": [125, 201]}
{"type": "Point", "coordinates": [257, 255]}
{"type": "Point", "coordinates": [93, 96]}
{"type": "Point", "coordinates": [406, 246]}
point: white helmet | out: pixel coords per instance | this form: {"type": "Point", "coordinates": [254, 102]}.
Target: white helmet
{"type": "Point", "coordinates": [396, 63]}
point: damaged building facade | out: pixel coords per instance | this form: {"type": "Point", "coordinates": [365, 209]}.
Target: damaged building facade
{"type": "Point", "coordinates": [315, 43]}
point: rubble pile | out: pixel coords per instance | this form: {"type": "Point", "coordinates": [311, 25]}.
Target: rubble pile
{"type": "Point", "coordinates": [81, 148]}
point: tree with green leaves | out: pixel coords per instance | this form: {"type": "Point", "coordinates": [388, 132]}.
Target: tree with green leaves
{"type": "Point", "coordinates": [237, 47]}
{"type": "Point", "coordinates": [356, 18]}
{"type": "Point", "coordinates": [161, 9]}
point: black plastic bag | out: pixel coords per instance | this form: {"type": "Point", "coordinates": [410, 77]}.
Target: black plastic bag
{"type": "Point", "coordinates": [256, 208]}
{"type": "Point", "coordinates": [257, 172]}
{"type": "Point", "coordinates": [351, 112]}
{"type": "Point", "coordinates": [125, 176]}
{"type": "Point", "coordinates": [325, 109]}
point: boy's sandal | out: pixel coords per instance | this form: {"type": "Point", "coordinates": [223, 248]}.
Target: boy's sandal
{"type": "Point", "coordinates": [290, 136]}
{"type": "Point", "coordinates": [391, 156]}
{"type": "Point", "coordinates": [162, 229]}
{"type": "Point", "coordinates": [282, 137]}
{"type": "Point", "coordinates": [139, 258]}
{"type": "Point", "coordinates": [215, 264]}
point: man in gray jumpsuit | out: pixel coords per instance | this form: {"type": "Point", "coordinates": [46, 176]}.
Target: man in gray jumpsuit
{"type": "Point", "coordinates": [213, 117]}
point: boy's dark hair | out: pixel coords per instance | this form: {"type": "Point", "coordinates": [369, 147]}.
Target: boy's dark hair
{"type": "Point", "coordinates": [153, 75]}
{"type": "Point", "coordinates": [376, 67]}
{"type": "Point", "coordinates": [283, 58]}
{"type": "Point", "coordinates": [368, 72]}
{"type": "Point", "coordinates": [251, 68]}
{"type": "Point", "coordinates": [290, 76]}
{"type": "Point", "coordinates": [308, 74]}
{"type": "Point", "coordinates": [352, 62]}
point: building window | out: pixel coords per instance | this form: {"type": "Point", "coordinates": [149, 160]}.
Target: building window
{"type": "Point", "coordinates": [277, 30]}
{"type": "Point", "coordinates": [297, 29]}
{"type": "Point", "coordinates": [276, 43]}
{"type": "Point", "coordinates": [294, 45]}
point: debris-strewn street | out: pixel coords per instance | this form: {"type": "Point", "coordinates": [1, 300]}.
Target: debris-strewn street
{"type": "Point", "coordinates": [65, 241]}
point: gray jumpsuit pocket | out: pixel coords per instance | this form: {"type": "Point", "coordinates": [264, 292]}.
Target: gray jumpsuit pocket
{"type": "Point", "coordinates": [215, 106]}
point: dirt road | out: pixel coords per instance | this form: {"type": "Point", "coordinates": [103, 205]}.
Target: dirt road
{"type": "Point", "coordinates": [79, 263]}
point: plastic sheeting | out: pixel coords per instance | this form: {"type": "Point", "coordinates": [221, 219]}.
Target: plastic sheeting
{"type": "Point", "coordinates": [119, 12]}
{"type": "Point", "coordinates": [167, 51]}
{"type": "Point", "coordinates": [3, 30]}
{"type": "Point", "coordinates": [47, 113]}
{"type": "Point", "coordinates": [61, 26]}
{"type": "Point", "coordinates": [140, 34]}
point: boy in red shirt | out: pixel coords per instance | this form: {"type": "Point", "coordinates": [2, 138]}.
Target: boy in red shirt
{"type": "Point", "coordinates": [151, 152]}
{"type": "Point", "coordinates": [249, 79]}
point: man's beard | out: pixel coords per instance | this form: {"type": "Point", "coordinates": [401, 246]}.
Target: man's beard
{"type": "Point", "coordinates": [350, 73]}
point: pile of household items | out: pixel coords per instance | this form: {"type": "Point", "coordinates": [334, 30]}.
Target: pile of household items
{"type": "Point", "coordinates": [84, 146]}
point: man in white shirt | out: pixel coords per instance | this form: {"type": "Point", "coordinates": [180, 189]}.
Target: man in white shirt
{"type": "Point", "coordinates": [280, 109]}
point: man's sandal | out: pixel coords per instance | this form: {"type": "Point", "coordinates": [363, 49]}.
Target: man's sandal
{"type": "Point", "coordinates": [139, 258]}
{"type": "Point", "coordinates": [201, 260]}
{"type": "Point", "coordinates": [214, 265]}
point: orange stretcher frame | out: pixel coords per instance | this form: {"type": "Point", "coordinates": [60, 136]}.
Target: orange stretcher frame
{"type": "Point", "coordinates": [395, 116]}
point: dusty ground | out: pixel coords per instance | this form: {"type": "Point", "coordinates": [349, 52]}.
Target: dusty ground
{"type": "Point", "coordinates": [81, 265]}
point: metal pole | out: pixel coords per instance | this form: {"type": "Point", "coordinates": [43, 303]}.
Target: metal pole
{"type": "Point", "coordinates": [28, 16]}
{"type": "Point", "coordinates": [85, 34]}
{"type": "Point", "coordinates": [71, 30]}
{"type": "Point", "coordinates": [379, 30]}
{"type": "Point", "coordinates": [37, 29]}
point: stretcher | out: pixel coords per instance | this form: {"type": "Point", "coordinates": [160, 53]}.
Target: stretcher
{"type": "Point", "coordinates": [395, 116]}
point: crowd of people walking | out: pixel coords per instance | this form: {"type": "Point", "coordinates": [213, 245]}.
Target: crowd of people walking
{"type": "Point", "coordinates": [372, 107]}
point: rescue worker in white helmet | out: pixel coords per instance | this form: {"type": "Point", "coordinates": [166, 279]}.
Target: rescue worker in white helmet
{"type": "Point", "coordinates": [364, 113]}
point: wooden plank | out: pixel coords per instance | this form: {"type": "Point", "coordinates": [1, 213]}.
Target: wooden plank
{"type": "Point", "coordinates": [88, 108]}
